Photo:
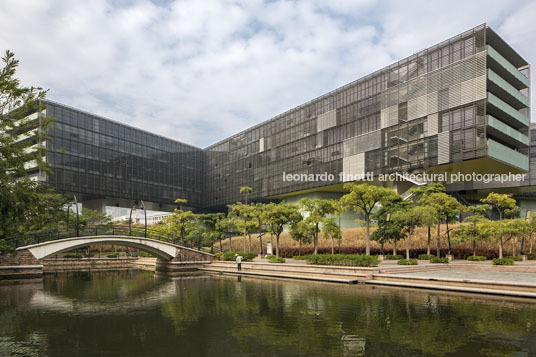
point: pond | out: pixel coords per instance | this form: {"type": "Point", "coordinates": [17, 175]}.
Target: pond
{"type": "Point", "coordinates": [132, 313]}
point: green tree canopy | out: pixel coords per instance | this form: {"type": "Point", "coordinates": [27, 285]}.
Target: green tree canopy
{"type": "Point", "coordinates": [364, 198]}
{"type": "Point", "coordinates": [314, 212]}
{"type": "Point", "coordinates": [279, 215]}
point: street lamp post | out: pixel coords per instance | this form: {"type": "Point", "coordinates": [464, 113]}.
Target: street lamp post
{"type": "Point", "coordinates": [145, 214]}
{"type": "Point", "coordinates": [130, 220]}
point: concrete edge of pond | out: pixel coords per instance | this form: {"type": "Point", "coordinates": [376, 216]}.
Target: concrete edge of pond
{"type": "Point", "coordinates": [283, 276]}
{"type": "Point", "coordinates": [454, 288]}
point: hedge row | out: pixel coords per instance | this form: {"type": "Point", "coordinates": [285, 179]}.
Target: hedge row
{"type": "Point", "coordinates": [358, 260]}
{"type": "Point", "coordinates": [459, 253]}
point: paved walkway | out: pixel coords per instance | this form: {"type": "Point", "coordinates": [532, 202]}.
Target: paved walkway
{"type": "Point", "coordinates": [459, 273]}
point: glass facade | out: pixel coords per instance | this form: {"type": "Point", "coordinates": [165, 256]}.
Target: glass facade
{"type": "Point", "coordinates": [98, 158]}
{"type": "Point", "coordinates": [423, 111]}
{"type": "Point", "coordinates": [441, 106]}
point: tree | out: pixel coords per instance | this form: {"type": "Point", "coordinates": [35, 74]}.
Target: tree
{"type": "Point", "coordinates": [443, 207]}
{"type": "Point", "coordinates": [315, 211]}
{"type": "Point", "coordinates": [504, 204]}
{"type": "Point", "coordinates": [89, 217]}
{"type": "Point", "coordinates": [226, 227]}
{"type": "Point", "coordinates": [211, 233]}
{"type": "Point", "coordinates": [303, 232]}
{"type": "Point", "coordinates": [245, 190]}
{"type": "Point", "coordinates": [411, 219]}
{"type": "Point", "coordinates": [279, 215]}
{"type": "Point", "coordinates": [469, 232]}
{"type": "Point", "coordinates": [389, 229]}
{"type": "Point", "coordinates": [243, 217]}
{"type": "Point", "coordinates": [364, 198]}
{"type": "Point", "coordinates": [500, 231]}
{"type": "Point", "coordinates": [181, 223]}
{"type": "Point", "coordinates": [426, 190]}
{"type": "Point", "coordinates": [260, 222]}
{"type": "Point", "coordinates": [331, 229]}
{"type": "Point", "coordinates": [25, 205]}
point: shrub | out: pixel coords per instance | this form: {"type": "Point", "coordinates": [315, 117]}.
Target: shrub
{"type": "Point", "coordinates": [477, 258]}
{"type": "Point", "coordinates": [113, 255]}
{"type": "Point", "coordinates": [300, 257]}
{"type": "Point", "coordinates": [274, 259]}
{"type": "Point", "coordinates": [359, 260]}
{"type": "Point", "coordinates": [246, 256]}
{"type": "Point", "coordinates": [143, 254]}
{"type": "Point", "coordinates": [503, 261]}
{"type": "Point", "coordinates": [437, 260]}
{"type": "Point", "coordinates": [72, 255]}
{"type": "Point", "coordinates": [517, 258]}
{"type": "Point", "coordinates": [394, 257]}
{"type": "Point", "coordinates": [217, 256]}
{"type": "Point", "coordinates": [425, 256]}
{"type": "Point", "coordinates": [531, 256]}
{"type": "Point", "coordinates": [407, 262]}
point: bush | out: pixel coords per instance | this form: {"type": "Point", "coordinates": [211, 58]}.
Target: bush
{"type": "Point", "coordinates": [503, 261]}
{"type": "Point", "coordinates": [359, 260]}
{"type": "Point", "coordinates": [407, 262]}
{"type": "Point", "coordinates": [246, 256]}
{"type": "Point", "coordinates": [437, 260]}
{"type": "Point", "coordinates": [113, 255]}
{"type": "Point", "coordinates": [300, 257]}
{"type": "Point", "coordinates": [143, 254]}
{"type": "Point", "coordinates": [274, 259]}
{"type": "Point", "coordinates": [425, 256]}
{"type": "Point", "coordinates": [517, 258]}
{"type": "Point", "coordinates": [73, 255]}
{"type": "Point", "coordinates": [217, 256]}
{"type": "Point", "coordinates": [531, 256]}
{"type": "Point", "coordinates": [477, 258]}
{"type": "Point", "coordinates": [394, 257]}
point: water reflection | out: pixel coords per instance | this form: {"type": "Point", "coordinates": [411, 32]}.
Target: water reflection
{"type": "Point", "coordinates": [132, 313]}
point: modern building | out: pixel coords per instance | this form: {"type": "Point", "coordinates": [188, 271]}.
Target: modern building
{"type": "Point", "coordinates": [461, 106]}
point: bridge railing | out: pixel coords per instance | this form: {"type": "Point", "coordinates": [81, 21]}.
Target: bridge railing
{"type": "Point", "coordinates": [95, 230]}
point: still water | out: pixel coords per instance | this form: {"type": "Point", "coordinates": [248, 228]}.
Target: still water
{"type": "Point", "coordinates": [132, 313]}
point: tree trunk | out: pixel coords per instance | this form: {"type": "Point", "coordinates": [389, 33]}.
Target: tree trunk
{"type": "Point", "coordinates": [221, 246]}
{"type": "Point", "coordinates": [277, 245]}
{"type": "Point", "coordinates": [394, 246]}
{"type": "Point", "coordinates": [522, 249]}
{"type": "Point", "coordinates": [367, 252]}
{"type": "Point", "coordinates": [230, 243]}
{"type": "Point", "coordinates": [408, 242]}
{"type": "Point", "coordinates": [315, 240]}
{"type": "Point", "coordinates": [438, 253]}
{"type": "Point", "coordinates": [300, 247]}
{"type": "Point", "coordinates": [500, 249]}
{"type": "Point", "coordinates": [513, 248]}
{"type": "Point", "coordinates": [249, 242]}
{"type": "Point", "coordinates": [448, 235]}
{"type": "Point", "coordinates": [332, 245]}
{"type": "Point", "coordinates": [474, 248]}
{"type": "Point", "coordinates": [429, 239]}
{"type": "Point", "coordinates": [262, 251]}
{"type": "Point", "coordinates": [381, 247]}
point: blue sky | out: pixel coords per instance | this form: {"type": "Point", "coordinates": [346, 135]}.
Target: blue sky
{"type": "Point", "coordinates": [200, 71]}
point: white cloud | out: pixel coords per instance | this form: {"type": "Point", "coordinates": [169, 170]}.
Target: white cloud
{"type": "Point", "coordinates": [200, 71]}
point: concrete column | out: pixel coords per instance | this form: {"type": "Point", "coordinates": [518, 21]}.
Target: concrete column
{"type": "Point", "coordinates": [97, 205]}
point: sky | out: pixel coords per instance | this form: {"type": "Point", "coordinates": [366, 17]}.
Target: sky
{"type": "Point", "coordinates": [199, 71]}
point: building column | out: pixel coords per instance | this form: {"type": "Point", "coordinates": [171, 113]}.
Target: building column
{"type": "Point", "coordinates": [97, 205]}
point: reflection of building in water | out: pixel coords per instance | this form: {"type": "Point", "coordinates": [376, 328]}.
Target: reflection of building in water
{"type": "Point", "coordinates": [353, 345]}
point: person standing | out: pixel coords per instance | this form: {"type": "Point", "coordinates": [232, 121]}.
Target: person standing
{"type": "Point", "coordinates": [239, 261]}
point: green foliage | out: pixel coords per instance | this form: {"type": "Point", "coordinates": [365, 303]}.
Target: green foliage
{"type": "Point", "coordinates": [437, 260]}
{"type": "Point", "coordinates": [517, 258]}
{"type": "Point", "coordinates": [73, 256]}
{"type": "Point", "coordinates": [388, 229]}
{"type": "Point", "coordinates": [503, 203]}
{"type": "Point", "coordinates": [113, 255]}
{"type": "Point", "coordinates": [394, 257]}
{"type": "Point", "coordinates": [25, 205]}
{"type": "Point", "coordinates": [359, 260]}
{"type": "Point", "coordinates": [531, 256]}
{"type": "Point", "coordinates": [181, 223]}
{"type": "Point", "coordinates": [425, 256]}
{"type": "Point", "coordinates": [279, 215]}
{"type": "Point", "coordinates": [6, 248]}
{"type": "Point", "coordinates": [476, 258]}
{"type": "Point", "coordinates": [246, 256]}
{"type": "Point", "coordinates": [300, 257]}
{"type": "Point", "coordinates": [218, 255]}
{"type": "Point", "coordinates": [274, 259]}
{"type": "Point", "coordinates": [364, 198]}
{"type": "Point", "coordinates": [407, 262]}
{"type": "Point", "coordinates": [143, 254]}
{"type": "Point", "coordinates": [315, 212]}
{"type": "Point", "coordinates": [503, 261]}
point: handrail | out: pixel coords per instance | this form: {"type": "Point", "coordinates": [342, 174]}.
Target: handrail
{"type": "Point", "coordinates": [94, 230]}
